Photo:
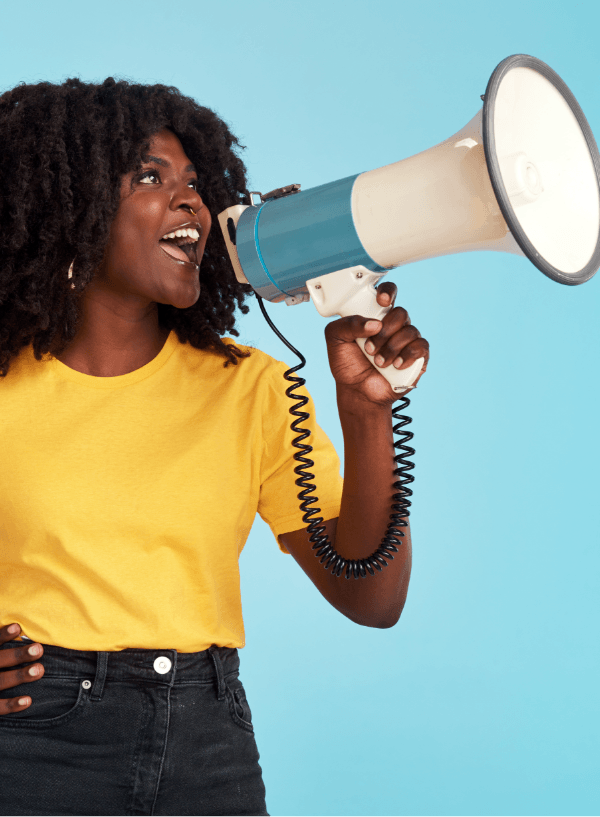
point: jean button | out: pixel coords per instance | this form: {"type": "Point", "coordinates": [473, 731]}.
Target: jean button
{"type": "Point", "coordinates": [162, 664]}
{"type": "Point", "coordinates": [86, 684]}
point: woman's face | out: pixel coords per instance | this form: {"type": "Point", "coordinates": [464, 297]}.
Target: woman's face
{"type": "Point", "coordinates": [140, 265]}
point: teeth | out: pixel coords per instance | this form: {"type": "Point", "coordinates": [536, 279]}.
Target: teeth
{"type": "Point", "coordinates": [189, 232]}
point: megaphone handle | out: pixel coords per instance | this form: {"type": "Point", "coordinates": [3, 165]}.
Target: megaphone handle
{"type": "Point", "coordinates": [399, 379]}
{"type": "Point", "coordinates": [350, 291]}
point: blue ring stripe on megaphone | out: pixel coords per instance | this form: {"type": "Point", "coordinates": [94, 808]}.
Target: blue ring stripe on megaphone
{"type": "Point", "coordinates": [257, 245]}
{"type": "Point", "coordinates": [300, 237]}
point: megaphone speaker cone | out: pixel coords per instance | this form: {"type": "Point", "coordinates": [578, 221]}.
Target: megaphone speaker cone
{"type": "Point", "coordinates": [544, 167]}
{"type": "Point", "coordinates": [437, 202]}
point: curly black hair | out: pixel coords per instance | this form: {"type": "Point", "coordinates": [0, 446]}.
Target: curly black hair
{"type": "Point", "coordinates": [64, 149]}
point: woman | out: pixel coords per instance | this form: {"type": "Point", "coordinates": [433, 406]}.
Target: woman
{"type": "Point", "coordinates": [138, 445]}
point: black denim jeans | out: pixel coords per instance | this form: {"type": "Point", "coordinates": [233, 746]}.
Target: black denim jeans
{"type": "Point", "coordinates": [131, 732]}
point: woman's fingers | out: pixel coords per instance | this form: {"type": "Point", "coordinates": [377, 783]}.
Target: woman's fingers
{"type": "Point", "coordinates": [399, 339]}
{"type": "Point", "coordinates": [23, 654]}
{"type": "Point", "coordinates": [412, 352]}
{"type": "Point", "coordinates": [8, 632]}
{"type": "Point", "coordinates": [386, 293]}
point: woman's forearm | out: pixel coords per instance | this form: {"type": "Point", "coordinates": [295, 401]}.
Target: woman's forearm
{"type": "Point", "coordinates": [366, 512]}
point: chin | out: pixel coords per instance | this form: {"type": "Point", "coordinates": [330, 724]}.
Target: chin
{"type": "Point", "coordinates": [182, 300]}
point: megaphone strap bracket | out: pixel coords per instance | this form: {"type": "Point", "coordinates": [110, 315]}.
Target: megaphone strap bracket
{"type": "Point", "coordinates": [278, 193]}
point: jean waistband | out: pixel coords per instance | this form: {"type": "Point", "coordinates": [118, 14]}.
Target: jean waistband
{"type": "Point", "coordinates": [163, 667]}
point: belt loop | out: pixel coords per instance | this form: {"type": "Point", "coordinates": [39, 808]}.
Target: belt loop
{"type": "Point", "coordinates": [98, 687]}
{"type": "Point", "coordinates": [214, 654]}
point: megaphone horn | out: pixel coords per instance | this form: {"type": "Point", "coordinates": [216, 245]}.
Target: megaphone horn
{"type": "Point", "coordinates": [523, 176]}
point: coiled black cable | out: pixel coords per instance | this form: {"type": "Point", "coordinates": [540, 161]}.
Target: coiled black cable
{"type": "Point", "coordinates": [328, 556]}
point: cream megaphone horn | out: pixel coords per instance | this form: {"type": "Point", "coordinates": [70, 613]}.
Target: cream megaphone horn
{"type": "Point", "coordinates": [523, 176]}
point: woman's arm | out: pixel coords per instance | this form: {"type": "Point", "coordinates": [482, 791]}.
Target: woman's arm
{"type": "Point", "coordinates": [375, 601]}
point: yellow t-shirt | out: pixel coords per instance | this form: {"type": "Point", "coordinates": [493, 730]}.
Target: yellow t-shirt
{"type": "Point", "coordinates": [126, 501]}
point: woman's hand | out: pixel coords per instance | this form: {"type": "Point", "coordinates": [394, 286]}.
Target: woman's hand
{"type": "Point", "coordinates": [12, 678]}
{"type": "Point", "coordinates": [394, 338]}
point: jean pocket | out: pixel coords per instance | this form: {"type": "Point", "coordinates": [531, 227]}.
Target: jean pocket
{"type": "Point", "coordinates": [54, 701]}
{"type": "Point", "coordinates": [239, 709]}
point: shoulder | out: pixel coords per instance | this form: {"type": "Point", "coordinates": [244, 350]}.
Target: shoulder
{"type": "Point", "coordinates": [257, 359]}
{"type": "Point", "coordinates": [24, 366]}
{"type": "Point", "coordinates": [258, 366]}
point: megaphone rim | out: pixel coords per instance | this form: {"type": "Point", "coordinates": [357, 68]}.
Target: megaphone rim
{"type": "Point", "coordinates": [489, 146]}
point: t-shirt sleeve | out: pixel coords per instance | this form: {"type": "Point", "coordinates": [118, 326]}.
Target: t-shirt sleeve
{"type": "Point", "coordinates": [278, 504]}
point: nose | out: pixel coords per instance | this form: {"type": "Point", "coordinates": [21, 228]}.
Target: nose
{"type": "Point", "coordinates": [186, 198]}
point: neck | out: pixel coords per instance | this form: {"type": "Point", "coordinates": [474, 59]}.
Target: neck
{"type": "Point", "coordinates": [114, 338]}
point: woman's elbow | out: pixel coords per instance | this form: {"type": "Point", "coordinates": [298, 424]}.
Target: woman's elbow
{"type": "Point", "coordinates": [379, 622]}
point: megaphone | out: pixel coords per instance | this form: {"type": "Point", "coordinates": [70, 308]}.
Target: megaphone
{"type": "Point", "coordinates": [523, 177]}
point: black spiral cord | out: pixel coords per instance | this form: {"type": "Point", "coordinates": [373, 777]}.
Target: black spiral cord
{"type": "Point", "coordinates": [328, 556]}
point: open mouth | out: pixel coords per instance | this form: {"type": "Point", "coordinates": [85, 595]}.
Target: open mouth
{"type": "Point", "coordinates": [181, 244]}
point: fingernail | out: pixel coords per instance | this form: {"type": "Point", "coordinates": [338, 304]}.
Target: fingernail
{"type": "Point", "coordinates": [34, 671]}
{"type": "Point", "coordinates": [35, 650]}
{"type": "Point", "coordinates": [370, 326]}
{"type": "Point", "coordinates": [23, 701]}
{"type": "Point", "coordinates": [14, 628]}
{"type": "Point", "coordinates": [385, 298]}
{"type": "Point", "coordinates": [370, 347]}
{"type": "Point", "coordinates": [398, 362]}
{"type": "Point", "coordinates": [380, 360]}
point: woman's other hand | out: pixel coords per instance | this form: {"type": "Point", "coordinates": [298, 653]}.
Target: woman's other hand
{"type": "Point", "coordinates": [12, 678]}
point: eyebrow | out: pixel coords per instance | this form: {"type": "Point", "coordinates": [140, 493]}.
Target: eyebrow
{"type": "Point", "coordinates": [164, 163]}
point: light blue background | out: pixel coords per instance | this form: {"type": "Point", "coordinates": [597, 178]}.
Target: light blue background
{"type": "Point", "coordinates": [484, 698]}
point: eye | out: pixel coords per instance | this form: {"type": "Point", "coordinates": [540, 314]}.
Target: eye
{"type": "Point", "coordinates": [148, 175]}
{"type": "Point", "coordinates": [195, 184]}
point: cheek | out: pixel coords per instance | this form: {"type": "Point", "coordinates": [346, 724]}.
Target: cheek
{"type": "Point", "coordinates": [133, 230]}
